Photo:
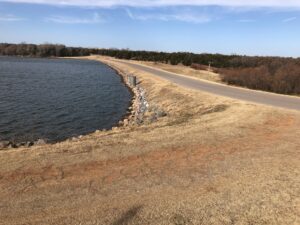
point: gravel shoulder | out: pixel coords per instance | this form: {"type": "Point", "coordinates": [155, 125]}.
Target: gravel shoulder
{"type": "Point", "coordinates": [209, 160]}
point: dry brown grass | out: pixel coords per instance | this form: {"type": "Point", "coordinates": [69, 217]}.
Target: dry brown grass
{"type": "Point", "coordinates": [212, 160]}
{"type": "Point", "coordinates": [188, 71]}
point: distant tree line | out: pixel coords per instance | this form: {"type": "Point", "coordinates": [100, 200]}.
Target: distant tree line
{"type": "Point", "coordinates": [275, 74]}
{"type": "Point", "coordinates": [43, 50]}
{"type": "Point", "coordinates": [176, 58]}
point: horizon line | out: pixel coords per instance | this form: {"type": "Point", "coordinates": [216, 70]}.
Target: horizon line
{"type": "Point", "coordinates": [157, 51]}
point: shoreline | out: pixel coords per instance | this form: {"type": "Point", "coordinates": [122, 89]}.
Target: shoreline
{"type": "Point", "coordinates": [126, 120]}
{"type": "Point", "coordinates": [130, 109]}
{"type": "Point", "coordinates": [138, 99]}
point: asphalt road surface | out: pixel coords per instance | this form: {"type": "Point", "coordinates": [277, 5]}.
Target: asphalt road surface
{"type": "Point", "coordinates": [265, 98]}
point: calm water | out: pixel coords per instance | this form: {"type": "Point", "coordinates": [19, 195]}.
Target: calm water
{"type": "Point", "coordinates": [55, 99]}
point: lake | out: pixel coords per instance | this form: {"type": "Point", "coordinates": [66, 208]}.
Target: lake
{"type": "Point", "coordinates": [55, 99]}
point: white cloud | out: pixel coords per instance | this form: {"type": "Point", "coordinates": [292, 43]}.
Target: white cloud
{"type": "Point", "coordinates": [74, 20]}
{"type": "Point", "coordinates": [289, 19]}
{"type": "Point", "coordinates": [189, 17]}
{"type": "Point", "coordinates": [153, 3]}
{"type": "Point", "coordinates": [10, 18]}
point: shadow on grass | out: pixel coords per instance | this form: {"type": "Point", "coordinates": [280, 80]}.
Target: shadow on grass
{"type": "Point", "coordinates": [127, 217]}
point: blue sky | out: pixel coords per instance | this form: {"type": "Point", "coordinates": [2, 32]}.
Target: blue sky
{"type": "Point", "coordinates": [269, 27]}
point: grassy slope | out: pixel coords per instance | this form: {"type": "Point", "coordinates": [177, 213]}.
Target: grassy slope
{"type": "Point", "coordinates": [188, 71]}
{"type": "Point", "coordinates": [210, 161]}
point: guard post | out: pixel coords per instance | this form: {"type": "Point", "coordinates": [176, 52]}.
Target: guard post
{"type": "Point", "coordinates": [131, 80]}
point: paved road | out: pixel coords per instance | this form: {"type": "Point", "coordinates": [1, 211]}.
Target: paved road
{"type": "Point", "coordinates": [259, 97]}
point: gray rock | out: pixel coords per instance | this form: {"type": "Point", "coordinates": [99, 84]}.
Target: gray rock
{"type": "Point", "coordinates": [40, 142]}
{"type": "Point", "coordinates": [153, 118]}
{"type": "Point", "coordinates": [139, 121]}
{"type": "Point", "coordinates": [12, 145]}
{"type": "Point", "coordinates": [161, 113]}
{"type": "Point", "coordinates": [18, 145]}
{"type": "Point", "coordinates": [28, 144]}
{"type": "Point", "coordinates": [126, 122]}
{"type": "Point", "coordinates": [4, 144]}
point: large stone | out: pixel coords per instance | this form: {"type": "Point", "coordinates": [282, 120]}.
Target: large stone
{"type": "Point", "coordinates": [115, 129]}
{"type": "Point", "coordinates": [40, 142]}
{"type": "Point", "coordinates": [161, 113]}
{"type": "Point", "coordinates": [21, 144]}
{"type": "Point", "coordinates": [153, 118]}
{"type": "Point", "coordinates": [12, 145]}
{"type": "Point", "coordinates": [29, 144]}
{"type": "Point", "coordinates": [4, 144]}
{"type": "Point", "coordinates": [74, 139]}
{"type": "Point", "coordinates": [126, 122]}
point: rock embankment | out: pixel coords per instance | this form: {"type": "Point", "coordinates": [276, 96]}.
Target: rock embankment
{"type": "Point", "coordinates": [140, 106]}
{"type": "Point", "coordinates": [11, 144]}
{"type": "Point", "coordinates": [141, 112]}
